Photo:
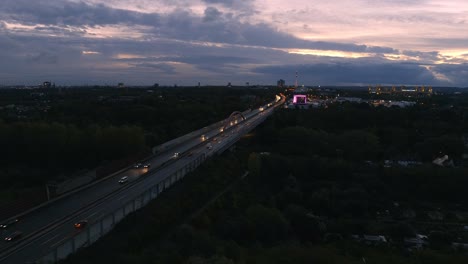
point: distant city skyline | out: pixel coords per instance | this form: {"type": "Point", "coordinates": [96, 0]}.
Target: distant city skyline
{"type": "Point", "coordinates": [183, 42]}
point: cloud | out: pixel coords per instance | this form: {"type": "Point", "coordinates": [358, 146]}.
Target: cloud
{"type": "Point", "coordinates": [211, 14]}
{"type": "Point", "coordinates": [258, 41]}
{"type": "Point", "coordinates": [356, 72]}
{"type": "Point", "coordinates": [162, 67]}
{"type": "Point", "coordinates": [223, 2]}
{"type": "Point", "coordinates": [43, 58]}
{"type": "Point", "coordinates": [68, 13]}
{"type": "Point", "coordinates": [456, 73]}
{"type": "Point", "coordinates": [243, 7]}
{"type": "Point", "coordinates": [179, 24]}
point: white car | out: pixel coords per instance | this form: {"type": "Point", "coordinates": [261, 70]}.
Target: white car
{"type": "Point", "coordinates": [123, 180]}
{"type": "Point", "coordinates": [13, 236]}
{"type": "Point", "coordinates": [176, 155]}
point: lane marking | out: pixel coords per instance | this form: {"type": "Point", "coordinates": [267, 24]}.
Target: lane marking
{"type": "Point", "coordinates": [48, 240]}
{"type": "Point", "coordinates": [94, 214]}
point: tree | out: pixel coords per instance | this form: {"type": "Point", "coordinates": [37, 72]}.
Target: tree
{"type": "Point", "coordinates": [266, 224]}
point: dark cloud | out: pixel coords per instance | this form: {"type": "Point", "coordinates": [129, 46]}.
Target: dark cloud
{"type": "Point", "coordinates": [211, 14]}
{"type": "Point", "coordinates": [456, 73]}
{"type": "Point", "coordinates": [420, 54]}
{"type": "Point", "coordinates": [43, 58]}
{"type": "Point", "coordinates": [70, 13]}
{"type": "Point", "coordinates": [61, 60]}
{"type": "Point", "coordinates": [357, 72]}
{"type": "Point", "coordinates": [223, 28]}
{"type": "Point", "coordinates": [224, 2]}
{"type": "Point", "coordinates": [210, 59]}
{"type": "Point", "coordinates": [161, 67]}
{"type": "Point", "coordinates": [242, 4]}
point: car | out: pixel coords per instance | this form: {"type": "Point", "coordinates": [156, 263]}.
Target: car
{"type": "Point", "coordinates": [147, 165]}
{"type": "Point", "coordinates": [13, 236]}
{"type": "Point", "coordinates": [9, 223]}
{"type": "Point", "coordinates": [176, 155]}
{"type": "Point", "coordinates": [137, 165]}
{"type": "Point", "coordinates": [81, 224]}
{"type": "Point", "coordinates": [124, 179]}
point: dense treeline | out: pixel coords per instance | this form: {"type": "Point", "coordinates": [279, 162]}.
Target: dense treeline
{"type": "Point", "coordinates": [53, 148]}
{"type": "Point", "coordinates": [163, 114]}
{"type": "Point", "coordinates": [287, 210]}
{"type": "Point", "coordinates": [312, 184]}
{"type": "Point", "coordinates": [348, 130]}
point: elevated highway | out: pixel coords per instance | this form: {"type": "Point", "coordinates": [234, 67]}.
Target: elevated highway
{"type": "Point", "coordinates": [46, 229]}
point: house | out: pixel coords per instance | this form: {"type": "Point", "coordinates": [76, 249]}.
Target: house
{"type": "Point", "coordinates": [417, 242]}
{"type": "Point", "coordinates": [374, 240]}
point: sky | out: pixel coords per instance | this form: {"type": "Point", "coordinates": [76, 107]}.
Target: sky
{"type": "Point", "coordinates": [183, 42]}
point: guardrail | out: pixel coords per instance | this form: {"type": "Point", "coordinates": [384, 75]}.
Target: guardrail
{"type": "Point", "coordinates": [102, 226]}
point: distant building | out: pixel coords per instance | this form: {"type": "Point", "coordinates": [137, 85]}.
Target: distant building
{"type": "Point", "coordinates": [281, 83]}
{"type": "Point", "coordinates": [417, 242]}
{"type": "Point", "coordinates": [443, 161]}
{"type": "Point", "coordinates": [374, 240]}
{"type": "Point", "coordinates": [46, 84]}
{"type": "Point", "coordinates": [299, 99]}
{"type": "Point", "coordinates": [417, 90]}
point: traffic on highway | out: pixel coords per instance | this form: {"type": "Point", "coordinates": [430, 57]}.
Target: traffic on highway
{"type": "Point", "coordinates": [30, 236]}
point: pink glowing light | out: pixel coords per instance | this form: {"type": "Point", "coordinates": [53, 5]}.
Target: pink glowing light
{"type": "Point", "coordinates": [299, 99]}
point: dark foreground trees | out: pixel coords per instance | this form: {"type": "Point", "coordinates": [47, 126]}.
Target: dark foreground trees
{"type": "Point", "coordinates": [309, 189]}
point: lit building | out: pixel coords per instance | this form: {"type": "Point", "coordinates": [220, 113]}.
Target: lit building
{"type": "Point", "coordinates": [300, 99]}
{"type": "Point", "coordinates": [417, 90]}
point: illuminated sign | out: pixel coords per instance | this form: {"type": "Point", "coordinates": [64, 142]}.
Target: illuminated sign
{"type": "Point", "coordinates": [300, 99]}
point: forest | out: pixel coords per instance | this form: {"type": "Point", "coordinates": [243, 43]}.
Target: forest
{"type": "Point", "coordinates": [317, 184]}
